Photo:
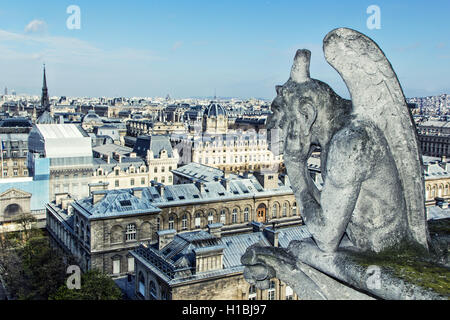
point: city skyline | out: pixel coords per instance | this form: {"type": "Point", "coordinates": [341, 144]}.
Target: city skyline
{"type": "Point", "coordinates": [195, 49]}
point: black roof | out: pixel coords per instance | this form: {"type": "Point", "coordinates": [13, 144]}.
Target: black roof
{"type": "Point", "coordinates": [15, 122]}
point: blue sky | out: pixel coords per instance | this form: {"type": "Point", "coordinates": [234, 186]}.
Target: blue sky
{"type": "Point", "coordinates": [193, 48]}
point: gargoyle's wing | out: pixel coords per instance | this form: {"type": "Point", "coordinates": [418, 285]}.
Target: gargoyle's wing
{"type": "Point", "coordinates": [377, 96]}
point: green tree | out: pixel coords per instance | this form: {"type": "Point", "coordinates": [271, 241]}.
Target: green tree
{"type": "Point", "coordinates": [94, 286]}
{"type": "Point", "coordinates": [30, 268]}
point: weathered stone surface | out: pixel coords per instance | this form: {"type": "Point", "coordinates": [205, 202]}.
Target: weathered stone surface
{"type": "Point", "coordinates": [373, 192]}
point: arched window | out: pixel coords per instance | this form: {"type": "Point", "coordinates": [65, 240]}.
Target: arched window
{"type": "Point", "coordinates": [271, 291]}
{"type": "Point", "coordinates": [210, 217]}
{"type": "Point", "coordinates": [184, 222]}
{"type": "Point", "coordinates": [152, 290]}
{"type": "Point", "coordinates": [234, 216]}
{"type": "Point", "coordinates": [274, 210]}
{"type": "Point", "coordinates": [246, 214]}
{"type": "Point", "coordinates": [284, 209]}
{"type": "Point", "coordinates": [131, 232]}
{"type": "Point", "coordinates": [252, 292]}
{"type": "Point", "coordinates": [158, 224]}
{"type": "Point", "coordinates": [171, 222]}
{"type": "Point", "coordinates": [223, 216]}
{"type": "Point", "coordinates": [289, 293]}
{"type": "Point", "coordinates": [294, 209]}
{"type": "Point", "coordinates": [198, 219]}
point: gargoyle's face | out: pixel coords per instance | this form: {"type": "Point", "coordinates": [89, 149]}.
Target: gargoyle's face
{"type": "Point", "coordinates": [286, 110]}
{"type": "Point", "coordinates": [278, 105]}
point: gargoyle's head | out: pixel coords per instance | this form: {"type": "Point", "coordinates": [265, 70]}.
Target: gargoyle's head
{"type": "Point", "coordinates": [303, 106]}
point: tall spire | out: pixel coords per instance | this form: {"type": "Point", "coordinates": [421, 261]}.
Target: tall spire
{"type": "Point", "coordinates": [45, 102]}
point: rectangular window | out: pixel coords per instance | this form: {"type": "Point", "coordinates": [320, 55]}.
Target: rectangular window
{"type": "Point", "coordinates": [116, 266]}
{"type": "Point", "coordinates": [132, 182]}
{"type": "Point", "coordinates": [130, 264]}
{"type": "Point", "coordinates": [116, 183]}
{"type": "Point", "coordinates": [143, 181]}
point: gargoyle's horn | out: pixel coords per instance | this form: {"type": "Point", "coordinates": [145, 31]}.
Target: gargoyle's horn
{"type": "Point", "coordinates": [300, 68]}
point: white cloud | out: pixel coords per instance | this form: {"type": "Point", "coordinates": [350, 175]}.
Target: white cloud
{"type": "Point", "coordinates": [36, 26]}
{"type": "Point", "coordinates": [177, 45]}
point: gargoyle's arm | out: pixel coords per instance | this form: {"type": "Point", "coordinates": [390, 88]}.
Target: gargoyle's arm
{"type": "Point", "coordinates": [348, 165]}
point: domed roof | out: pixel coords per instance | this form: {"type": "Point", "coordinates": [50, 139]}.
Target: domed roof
{"type": "Point", "coordinates": [91, 116]}
{"type": "Point", "coordinates": [214, 110]}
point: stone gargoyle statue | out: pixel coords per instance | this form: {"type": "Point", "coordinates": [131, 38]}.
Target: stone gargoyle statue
{"type": "Point", "coordinates": [372, 197]}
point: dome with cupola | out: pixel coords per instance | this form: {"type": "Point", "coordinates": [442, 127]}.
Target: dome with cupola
{"type": "Point", "coordinates": [214, 110]}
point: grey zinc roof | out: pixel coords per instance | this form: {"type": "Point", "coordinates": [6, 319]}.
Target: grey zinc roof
{"type": "Point", "coordinates": [199, 171]}
{"type": "Point", "coordinates": [437, 213]}
{"type": "Point", "coordinates": [109, 148]}
{"type": "Point", "coordinates": [180, 252]}
{"type": "Point", "coordinates": [235, 247]}
{"type": "Point", "coordinates": [115, 202]}
{"type": "Point", "coordinates": [155, 143]}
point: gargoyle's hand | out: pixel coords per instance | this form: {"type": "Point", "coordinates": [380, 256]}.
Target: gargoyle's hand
{"type": "Point", "coordinates": [264, 263]}
{"type": "Point", "coordinates": [296, 145]}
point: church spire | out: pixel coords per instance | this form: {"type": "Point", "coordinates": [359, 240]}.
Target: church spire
{"type": "Point", "coordinates": [45, 102]}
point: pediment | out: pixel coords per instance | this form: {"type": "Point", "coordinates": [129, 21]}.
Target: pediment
{"type": "Point", "coordinates": [14, 193]}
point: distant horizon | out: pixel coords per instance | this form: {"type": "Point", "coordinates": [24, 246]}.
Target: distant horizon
{"type": "Point", "coordinates": [235, 48]}
{"type": "Point", "coordinates": [183, 98]}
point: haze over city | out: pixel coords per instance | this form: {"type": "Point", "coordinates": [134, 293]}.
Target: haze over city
{"type": "Point", "coordinates": [188, 49]}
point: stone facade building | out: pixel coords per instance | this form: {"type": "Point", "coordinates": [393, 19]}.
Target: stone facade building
{"type": "Point", "coordinates": [14, 204]}
{"type": "Point", "coordinates": [14, 149]}
{"type": "Point", "coordinates": [437, 180]}
{"type": "Point", "coordinates": [213, 144]}
{"type": "Point", "coordinates": [205, 265]}
{"type": "Point", "coordinates": [434, 137]}
{"type": "Point", "coordinates": [110, 223]}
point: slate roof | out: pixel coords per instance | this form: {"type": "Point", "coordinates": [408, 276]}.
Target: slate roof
{"type": "Point", "coordinates": [109, 148]}
{"type": "Point", "coordinates": [175, 263]}
{"type": "Point", "coordinates": [155, 143]}
{"type": "Point", "coordinates": [437, 213]}
{"type": "Point", "coordinates": [114, 203]}
{"type": "Point", "coordinates": [200, 172]}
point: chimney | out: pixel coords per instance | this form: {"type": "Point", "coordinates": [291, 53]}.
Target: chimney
{"type": "Point", "coordinates": [209, 258]}
{"type": "Point", "coordinates": [285, 179]}
{"type": "Point", "coordinates": [165, 237]}
{"type": "Point", "coordinates": [137, 192]}
{"type": "Point", "coordinates": [257, 226]}
{"type": "Point", "coordinates": [59, 197]}
{"type": "Point", "coordinates": [272, 235]}
{"type": "Point", "coordinates": [225, 183]}
{"type": "Point", "coordinates": [98, 186]}
{"type": "Point", "coordinates": [268, 180]}
{"type": "Point", "coordinates": [160, 189]}
{"type": "Point", "coordinates": [443, 204]}
{"type": "Point", "coordinates": [215, 229]}
{"type": "Point", "coordinates": [443, 163]}
{"type": "Point", "coordinates": [66, 202]}
{"type": "Point", "coordinates": [97, 196]}
{"type": "Point", "coordinates": [200, 186]}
